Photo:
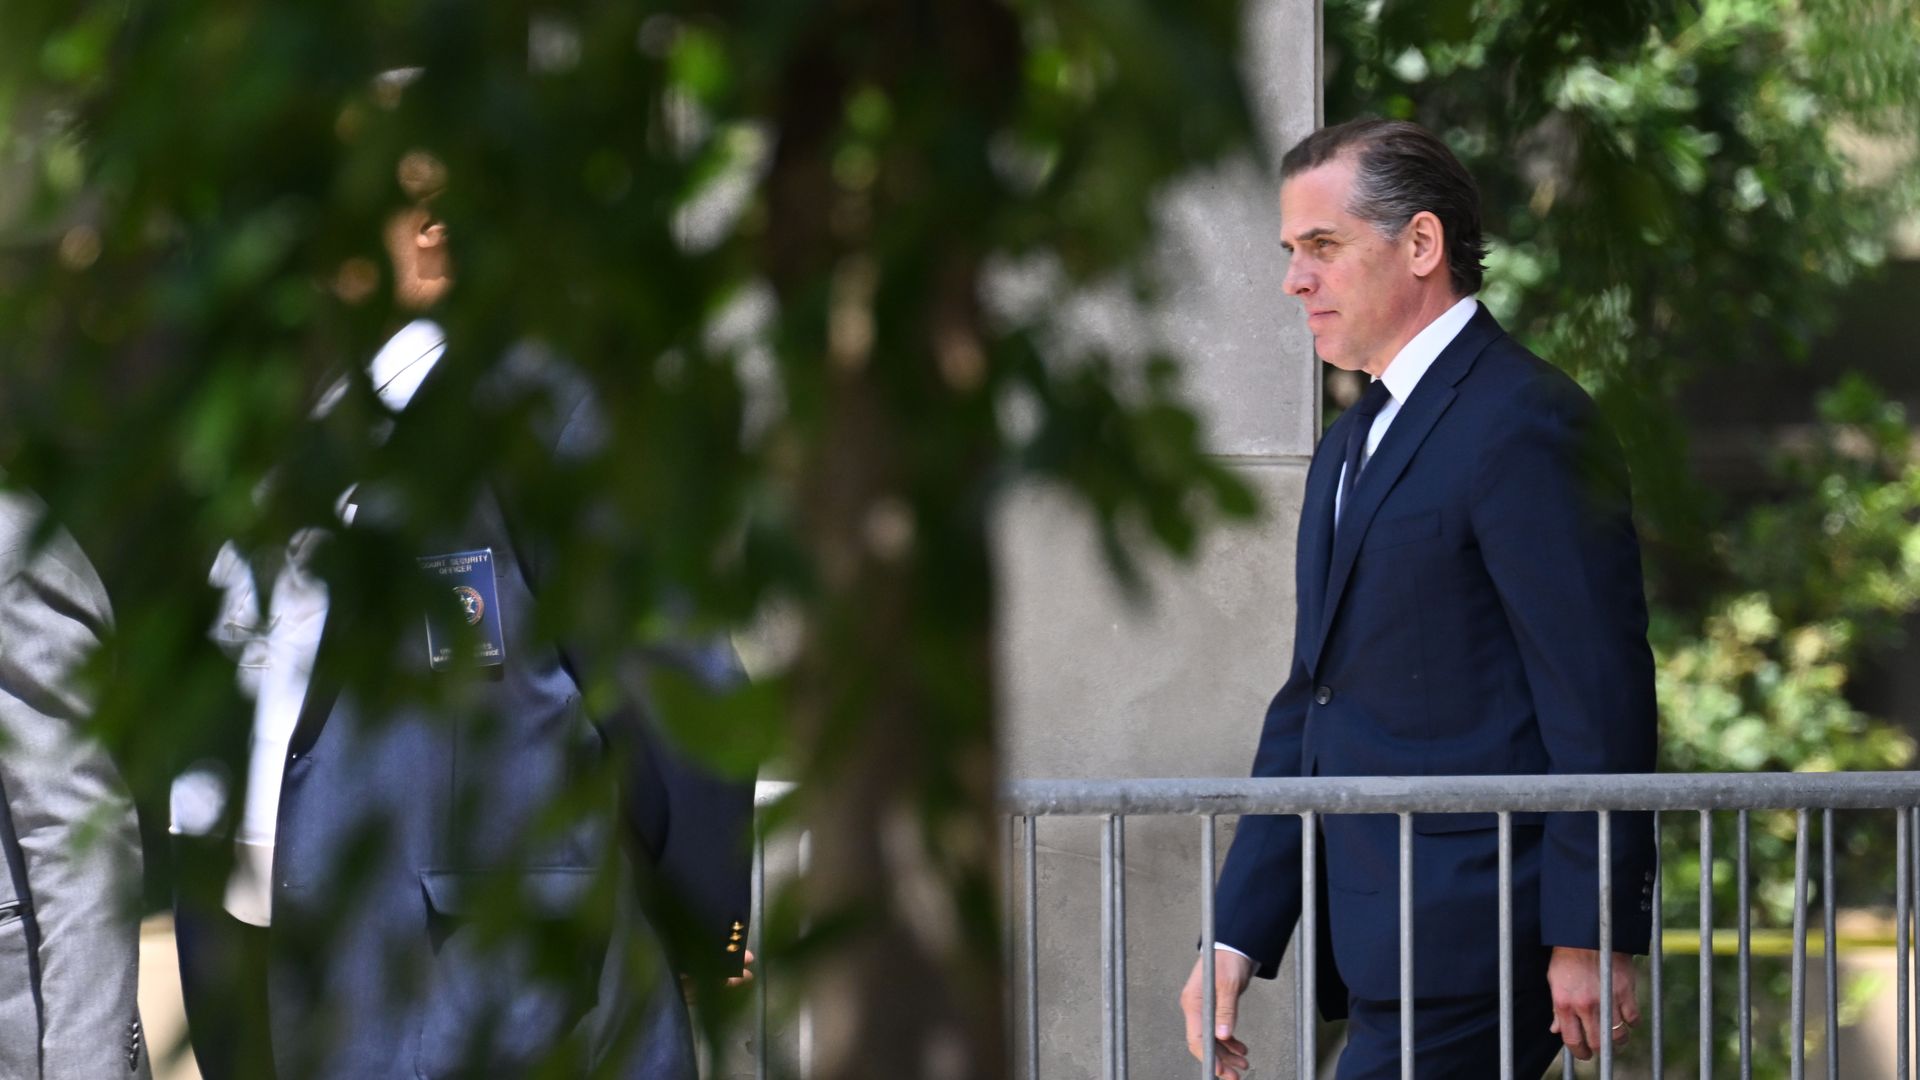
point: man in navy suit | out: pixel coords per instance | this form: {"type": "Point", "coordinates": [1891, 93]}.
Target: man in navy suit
{"type": "Point", "coordinates": [1470, 602]}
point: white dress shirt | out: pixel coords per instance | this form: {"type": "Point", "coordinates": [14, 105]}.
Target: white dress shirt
{"type": "Point", "coordinates": [1403, 373]}
{"type": "Point", "coordinates": [275, 647]}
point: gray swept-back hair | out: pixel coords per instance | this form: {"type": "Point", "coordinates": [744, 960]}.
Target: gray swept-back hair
{"type": "Point", "coordinates": [1402, 169]}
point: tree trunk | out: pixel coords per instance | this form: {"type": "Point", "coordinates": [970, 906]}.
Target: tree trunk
{"type": "Point", "coordinates": [893, 696]}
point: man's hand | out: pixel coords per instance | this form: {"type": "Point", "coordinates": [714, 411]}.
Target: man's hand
{"type": "Point", "coordinates": [1231, 973]}
{"type": "Point", "coordinates": [733, 982]}
{"type": "Point", "coordinates": [1574, 977]}
{"type": "Point", "coordinates": [746, 971]}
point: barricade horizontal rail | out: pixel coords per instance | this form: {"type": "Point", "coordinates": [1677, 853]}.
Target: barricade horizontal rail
{"type": "Point", "coordinates": [1312, 799]}
{"type": "Point", "coordinates": [1463, 794]}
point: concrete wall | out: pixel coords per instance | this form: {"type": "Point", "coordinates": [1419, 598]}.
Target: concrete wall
{"type": "Point", "coordinates": [1095, 686]}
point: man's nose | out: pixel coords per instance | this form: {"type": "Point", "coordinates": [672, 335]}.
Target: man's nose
{"type": "Point", "coordinates": [1297, 281]}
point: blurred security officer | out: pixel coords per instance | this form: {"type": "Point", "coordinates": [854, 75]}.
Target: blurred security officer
{"type": "Point", "coordinates": [377, 827]}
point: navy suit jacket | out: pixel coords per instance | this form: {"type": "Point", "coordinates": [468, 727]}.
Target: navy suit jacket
{"type": "Point", "coordinates": [395, 820]}
{"type": "Point", "coordinates": [1479, 611]}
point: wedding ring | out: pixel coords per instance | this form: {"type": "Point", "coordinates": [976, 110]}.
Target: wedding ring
{"type": "Point", "coordinates": [1619, 1025]}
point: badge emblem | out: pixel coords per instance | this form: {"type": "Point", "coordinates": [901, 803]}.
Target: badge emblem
{"type": "Point", "coordinates": [471, 603]}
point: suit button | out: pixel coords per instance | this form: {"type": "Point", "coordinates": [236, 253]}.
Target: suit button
{"type": "Point", "coordinates": [1323, 695]}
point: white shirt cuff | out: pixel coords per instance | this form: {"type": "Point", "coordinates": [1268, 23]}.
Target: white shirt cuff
{"type": "Point", "coordinates": [1223, 946]}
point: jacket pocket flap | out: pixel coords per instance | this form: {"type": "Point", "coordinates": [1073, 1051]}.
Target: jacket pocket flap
{"type": "Point", "coordinates": [554, 892]}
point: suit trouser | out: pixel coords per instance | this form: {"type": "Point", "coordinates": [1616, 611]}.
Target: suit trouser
{"type": "Point", "coordinates": [1454, 1038]}
{"type": "Point", "coordinates": [223, 983]}
{"type": "Point", "coordinates": [223, 980]}
{"type": "Point", "coordinates": [223, 967]}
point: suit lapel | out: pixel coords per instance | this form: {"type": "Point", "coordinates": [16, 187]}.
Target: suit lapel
{"type": "Point", "coordinates": [325, 684]}
{"type": "Point", "coordinates": [1417, 417]}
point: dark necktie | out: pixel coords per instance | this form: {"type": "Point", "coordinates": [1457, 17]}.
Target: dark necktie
{"type": "Point", "coordinates": [1364, 411]}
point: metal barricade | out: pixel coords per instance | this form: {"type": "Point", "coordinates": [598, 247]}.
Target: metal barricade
{"type": "Point", "coordinates": [1112, 802]}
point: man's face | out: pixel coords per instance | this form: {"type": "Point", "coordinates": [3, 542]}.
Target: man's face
{"type": "Point", "coordinates": [1359, 288]}
{"type": "Point", "coordinates": [416, 241]}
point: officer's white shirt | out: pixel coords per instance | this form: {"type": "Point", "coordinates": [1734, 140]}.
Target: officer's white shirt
{"type": "Point", "coordinates": [1403, 373]}
{"type": "Point", "coordinates": [275, 647]}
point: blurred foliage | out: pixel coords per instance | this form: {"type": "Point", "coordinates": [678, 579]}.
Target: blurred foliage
{"type": "Point", "coordinates": [1832, 567]}
{"type": "Point", "coordinates": [758, 231]}
{"type": "Point", "coordinates": [1830, 570]}
{"type": "Point", "coordinates": [1674, 192]}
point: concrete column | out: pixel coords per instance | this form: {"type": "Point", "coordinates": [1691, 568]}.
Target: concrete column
{"type": "Point", "coordinates": [1095, 685]}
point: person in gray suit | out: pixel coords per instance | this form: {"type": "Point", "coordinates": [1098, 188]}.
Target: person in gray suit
{"type": "Point", "coordinates": [69, 944]}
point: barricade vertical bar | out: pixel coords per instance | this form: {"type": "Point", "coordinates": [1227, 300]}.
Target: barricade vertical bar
{"type": "Point", "coordinates": [803, 862]}
{"type": "Point", "coordinates": [1009, 913]}
{"type": "Point", "coordinates": [1746, 955]}
{"type": "Point", "coordinates": [1656, 958]}
{"type": "Point", "coordinates": [1110, 1059]}
{"type": "Point", "coordinates": [1506, 945]}
{"type": "Point", "coordinates": [1120, 944]}
{"type": "Point", "coordinates": [1913, 906]}
{"type": "Point", "coordinates": [1300, 970]}
{"type": "Point", "coordinates": [1706, 943]}
{"type": "Point", "coordinates": [1032, 854]}
{"type": "Point", "coordinates": [1832, 948]}
{"type": "Point", "coordinates": [1300, 994]}
{"type": "Point", "coordinates": [1207, 932]}
{"type": "Point", "coordinates": [1566, 1064]}
{"type": "Point", "coordinates": [757, 908]}
{"type": "Point", "coordinates": [1308, 946]}
{"type": "Point", "coordinates": [1604, 848]}
{"type": "Point", "coordinates": [1901, 841]}
{"type": "Point", "coordinates": [1406, 946]}
{"type": "Point", "coordinates": [1798, 992]}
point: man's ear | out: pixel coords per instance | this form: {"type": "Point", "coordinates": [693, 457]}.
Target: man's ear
{"type": "Point", "coordinates": [417, 244]}
{"type": "Point", "coordinates": [431, 233]}
{"type": "Point", "coordinates": [1426, 241]}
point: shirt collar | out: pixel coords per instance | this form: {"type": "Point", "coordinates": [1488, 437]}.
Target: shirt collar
{"type": "Point", "coordinates": [1416, 356]}
{"type": "Point", "coordinates": [403, 362]}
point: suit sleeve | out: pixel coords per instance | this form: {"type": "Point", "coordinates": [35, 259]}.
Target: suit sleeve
{"type": "Point", "coordinates": [71, 815]}
{"type": "Point", "coordinates": [1258, 900]}
{"type": "Point", "coordinates": [694, 824]}
{"type": "Point", "coordinates": [1552, 511]}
